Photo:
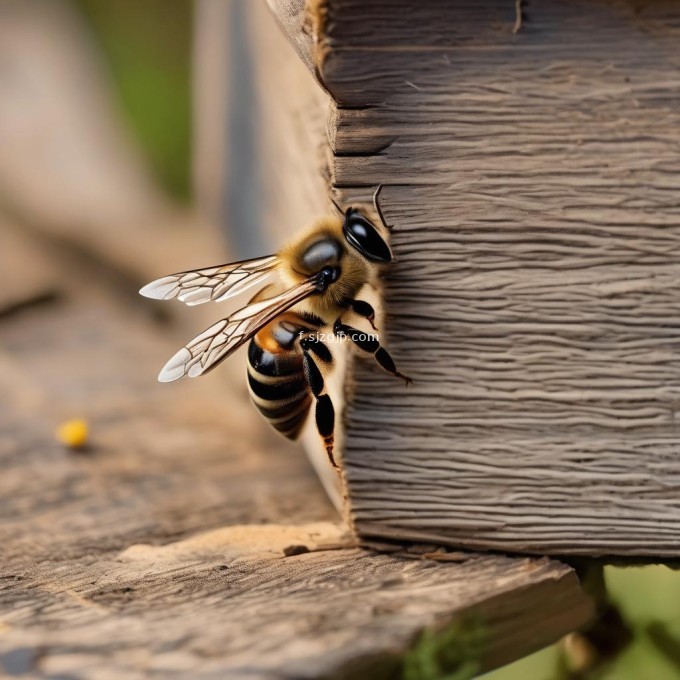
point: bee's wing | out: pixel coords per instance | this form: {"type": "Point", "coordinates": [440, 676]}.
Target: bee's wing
{"type": "Point", "coordinates": [213, 283]}
{"type": "Point", "coordinates": [216, 343]}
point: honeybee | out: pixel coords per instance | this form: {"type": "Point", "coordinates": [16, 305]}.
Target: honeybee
{"type": "Point", "coordinates": [317, 283]}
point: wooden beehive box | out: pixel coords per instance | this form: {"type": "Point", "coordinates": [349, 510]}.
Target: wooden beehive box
{"type": "Point", "coordinates": [184, 539]}
{"type": "Point", "coordinates": [530, 158]}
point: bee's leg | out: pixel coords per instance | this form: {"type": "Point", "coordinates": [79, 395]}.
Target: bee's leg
{"type": "Point", "coordinates": [369, 343]}
{"type": "Point", "coordinates": [311, 344]}
{"type": "Point", "coordinates": [364, 310]}
{"type": "Point", "coordinates": [324, 411]}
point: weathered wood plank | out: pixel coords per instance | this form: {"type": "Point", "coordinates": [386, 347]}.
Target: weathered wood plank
{"type": "Point", "coordinates": [160, 549]}
{"type": "Point", "coordinates": [229, 604]}
{"type": "Point", "coordinates": [294, 19]}
{"type": "Point", "coordinates": [530, 181]}
{"type": "Point", "coordinates": [104, 574]}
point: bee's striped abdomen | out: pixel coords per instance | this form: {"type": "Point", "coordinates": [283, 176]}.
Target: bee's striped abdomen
{"type": "Point", "coordinates": [276, 378]}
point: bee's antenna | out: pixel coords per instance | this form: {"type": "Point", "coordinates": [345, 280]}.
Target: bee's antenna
{"type": "Point", "coordinates": [377, 207]}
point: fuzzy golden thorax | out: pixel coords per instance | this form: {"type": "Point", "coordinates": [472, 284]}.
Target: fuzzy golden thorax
{"type": "Point", "coordinates": [355, 271]}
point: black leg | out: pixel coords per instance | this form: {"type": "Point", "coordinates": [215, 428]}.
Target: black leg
{"type": "Point", "coordinates": [311, 344]}
{"type": "Point", "coordinates": [369, 343]}
{"type": "Point", "coordinates": [364, 310]}
{"type": "Point", "coordinates": [324, 412]}
{"type": "Point", "coordinates": [325, 424]}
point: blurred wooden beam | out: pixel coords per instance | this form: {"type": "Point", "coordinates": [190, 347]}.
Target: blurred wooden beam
{"type": "Point", "coordinates": [285, 107]}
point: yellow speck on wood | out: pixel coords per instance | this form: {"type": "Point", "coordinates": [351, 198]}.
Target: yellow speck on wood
{"type": "Point", "coordinates": [73, 433]}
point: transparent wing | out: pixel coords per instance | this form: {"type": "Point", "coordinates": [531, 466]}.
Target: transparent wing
{"type": "Point", "coordinates": [216, 343]}
{"type": "Point", "coordinates": [213, 283]}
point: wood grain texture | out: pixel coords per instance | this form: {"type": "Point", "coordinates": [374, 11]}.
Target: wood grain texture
{"type": "Point", "coordinates": [135, 614]}
{"type": "Point", "coordinates": [293, 18]}
{"type": "Point", "coordinates": [186, 541]}
{"type": "Point", "coordinates": [172, 546]}
{"type": "Point", "coordinates": [532, 182]}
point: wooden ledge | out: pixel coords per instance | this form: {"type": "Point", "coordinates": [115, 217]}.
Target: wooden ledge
{"type": "Point", "coordinates": [163, 547]}
{"type": "Point", "coordinates": [229, 602]}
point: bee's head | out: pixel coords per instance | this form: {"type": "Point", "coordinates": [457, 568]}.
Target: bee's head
{"type": "Point", "coordinates": [340, 251]}
{"type": "Point", "coordinates": [327, 249]}
{"type": "Point", "coordinates": [362, 235]}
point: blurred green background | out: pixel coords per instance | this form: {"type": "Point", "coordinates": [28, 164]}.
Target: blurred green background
{"type": "Point", "coordinates": [147, 44]}
{"type": "Point", "coordinates": [649, 601]}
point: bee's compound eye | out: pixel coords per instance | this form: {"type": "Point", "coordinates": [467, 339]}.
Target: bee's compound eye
{"type": "Point", "coordinates": [320, 254]}
{"type": "Point", "coordinates": [365, 238]}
